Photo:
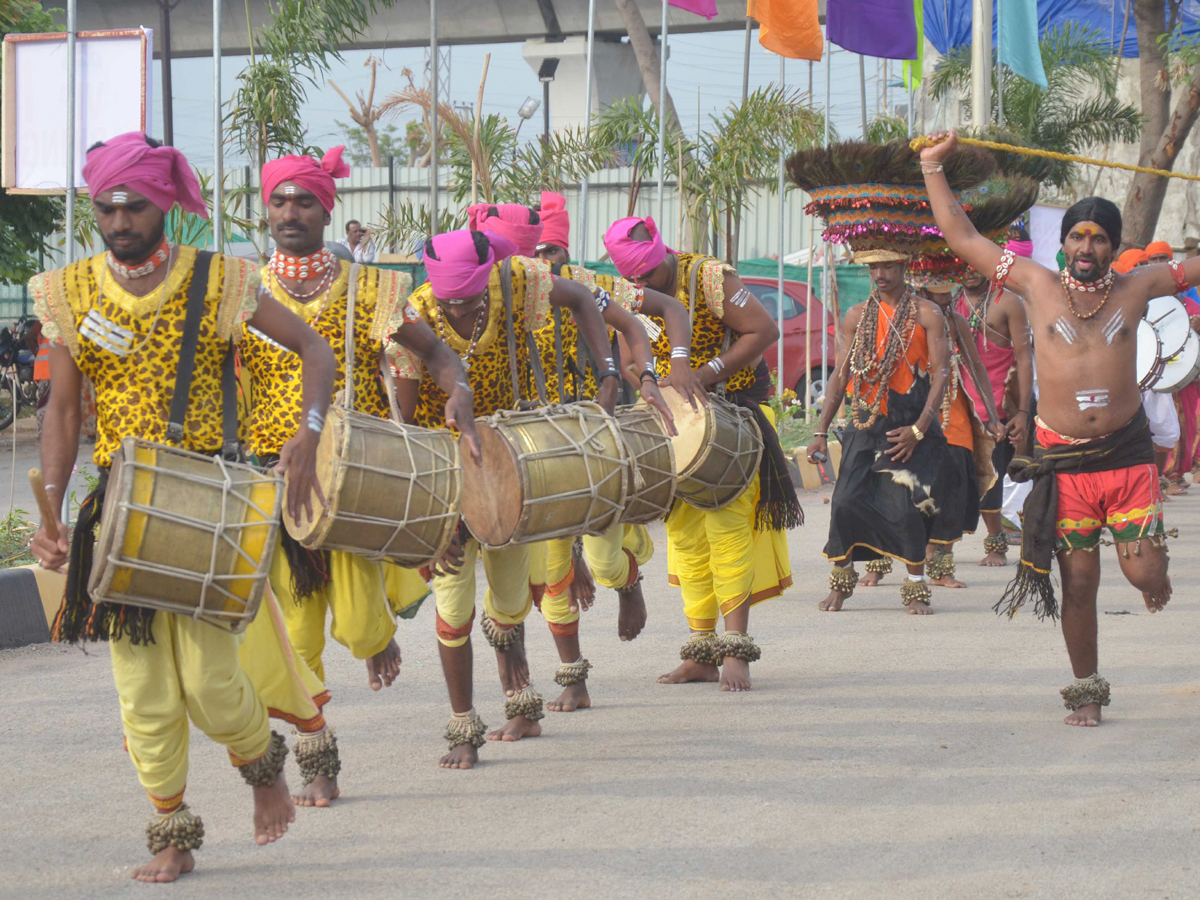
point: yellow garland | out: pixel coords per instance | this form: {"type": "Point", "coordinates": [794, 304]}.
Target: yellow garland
{"type": "Point", "coordinates": [919, 143]}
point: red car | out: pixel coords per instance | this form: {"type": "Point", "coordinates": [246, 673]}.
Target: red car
{"type": "Point", "coordinates": [801, 347]}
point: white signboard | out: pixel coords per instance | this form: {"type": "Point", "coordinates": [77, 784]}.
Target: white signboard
{"type": "Point", "coordinates": [112, 96]}
{"type": "Point", "coordinates": [1045, 227]}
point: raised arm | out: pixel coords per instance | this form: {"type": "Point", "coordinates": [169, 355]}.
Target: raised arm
{"type": "Point", "coordinates": [446, 368]}
{"type": "Point", "coordinates": [317, 369]}
{"type": "Point", "coordinates": [835, 387]}
{"type": "Point", "coordinates": [580, 301]}
{"type": "Point", "coordinates": [743, 314]}
{"type": "Point", "coordinates": [982, 255]}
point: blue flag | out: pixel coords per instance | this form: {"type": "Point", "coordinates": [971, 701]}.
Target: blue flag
{"type": "Point", "coordinates": [1017, 39]}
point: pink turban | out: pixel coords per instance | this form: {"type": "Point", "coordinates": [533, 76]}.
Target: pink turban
{"type": "Point", "coordinates": [455, 269]}
{"type": "Point", "coordinates": [315, 177]}
{"type": "Point", "coordinates": [555, 221]}
{"type": "Point", "coordinates": [1021, 248]}
{"type": "Point", "coordinates": [510, 220]}
{"type": "Point", "coordinates": [634, 258]}
{"type": "Point", "coordinates": [161, 174]}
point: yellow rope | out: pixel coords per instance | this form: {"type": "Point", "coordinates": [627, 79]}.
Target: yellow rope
{"type": "Point", "coordinates": [924, 141]}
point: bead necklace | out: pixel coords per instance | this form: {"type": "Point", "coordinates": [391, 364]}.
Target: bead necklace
{"type": "Point", "coordinates": [476, 333]}
{"type": "Point", "coordinates": [302, 267]}
{"type": "Point", "coordinates": [324, 284]}
{"type": "Point", "coordinates": [1068, 283]}
{"type": "Point", "coordinates": [156, 259]}
{"type": "Point", "coordinates": [1090, 287]}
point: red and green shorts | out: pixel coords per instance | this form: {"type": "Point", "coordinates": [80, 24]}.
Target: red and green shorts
{"type": "Point", "coordinates": [1129, 502]}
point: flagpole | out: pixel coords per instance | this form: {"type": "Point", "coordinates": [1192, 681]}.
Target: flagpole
{"type": "Point", "coordinates": [433, 119]}
{"type": "Point", "coordinates": [999, 67]}
{"type": "Point", "coordinates": [218, 186]}
{"type": "Point", "coordinates": [662, 117]}
{"type": "Point", "coordinates": [862, 90]}
{"type": "Point", "coordinates": [746, 64]}
{"type": "Point", "coordinates": [825, 273]}
{"type": "Point", "coordinates": [782, 245]}
{"type": "Point", "coordinates": [69, 199]}
{"type": "Point", "coordinates": [587, 126]}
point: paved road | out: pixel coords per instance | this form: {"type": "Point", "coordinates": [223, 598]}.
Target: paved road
{"type": "Point", "coordinates": [880, 755]}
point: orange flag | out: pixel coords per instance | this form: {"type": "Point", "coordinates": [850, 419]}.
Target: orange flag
{"type": "Point", "coordinates": [788, 27]}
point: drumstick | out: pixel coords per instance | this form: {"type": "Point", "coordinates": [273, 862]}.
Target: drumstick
{"type": "Point", "coordinates": [49, 519]}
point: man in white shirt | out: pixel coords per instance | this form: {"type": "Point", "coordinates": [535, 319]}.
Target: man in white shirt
{"type": "Point", "coordinates": [358, 242]}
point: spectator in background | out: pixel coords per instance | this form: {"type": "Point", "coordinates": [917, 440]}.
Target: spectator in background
{"type": "Point", "coordinates": [358, 242]}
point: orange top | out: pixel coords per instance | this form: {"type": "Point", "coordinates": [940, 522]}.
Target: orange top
{"type": "Point", "coordinates": [958, 431]}
{"type": "Point", "coordinates": [915, 358]}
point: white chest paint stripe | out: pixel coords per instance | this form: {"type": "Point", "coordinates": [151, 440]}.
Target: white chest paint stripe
{"type": "Point", "coordinates": [1066, 329]}
{"type": "Point", "coordinates": [1113, 326]}
{"type": "Point", "coordinates": [1092, 399]}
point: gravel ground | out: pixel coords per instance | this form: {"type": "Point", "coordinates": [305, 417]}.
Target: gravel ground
{"type": "Point", "coordinates": [879, 755]}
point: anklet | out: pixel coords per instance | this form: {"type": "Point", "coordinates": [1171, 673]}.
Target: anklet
{"type": "Point", "coordinates": [465, 728]}
{"type": "Point", "coordinates": [940, 566]}
{"type": "Point", "coordinates": [739, 645]}
{"type": "Point", "coordinates": [1085, 691]}
{"type": "Point", "coordinates": [996, 543]}
{"type": "Point", "coordinates": [180, 828]}
{"type": "Point", "coordinates": [915, 592]}
{"type": "Point", "coordinates": [702, 648]}
{"type": "Point", "coordinates": [843, 579]}
{"type": "Point", "coordinates": [572, 673]}
{"type": "Point", "coordinates": [881, 566]}
{"type": "Point", "coordinates": [498, 636]}
{"type": "Point", "coordinates": [317, 754]}
{"type": "Point", "coordinates": [263, 771]}
{"type": "Point", "coordinates": [526, 702]}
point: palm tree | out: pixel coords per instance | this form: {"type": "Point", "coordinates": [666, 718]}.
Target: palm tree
{"type": "Point", "coordinates": [1078, 109]}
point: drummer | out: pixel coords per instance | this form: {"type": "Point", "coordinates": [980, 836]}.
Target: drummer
{"type": "Point", "coordinates": [617, 555]}
{"type": "Point", "coordinates": [117, 318]}
{"type": "Point", "coordinates": [1094, 463]}
{"type": "Point", "coordinates": [303, 275]}
{"type": "Point", "coordinates": [724, 560]}
{"type": "Point", "coordinates": [464, 301]}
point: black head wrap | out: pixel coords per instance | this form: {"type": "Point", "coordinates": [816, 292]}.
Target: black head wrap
{"type": "Point", "coordinates": [1094, 209]}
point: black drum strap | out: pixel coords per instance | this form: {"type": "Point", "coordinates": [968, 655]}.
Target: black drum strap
{"type": "Point", "coordinates": [230, 445]}
{"type": "Point", "coordinates": [187, 351]}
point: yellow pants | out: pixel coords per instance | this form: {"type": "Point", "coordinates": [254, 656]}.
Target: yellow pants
{"type": "Point", "coordinates": [720, 561]}
{"type": "Point", "coordinates": [610, 556]}
{"type": "Point", "coordinates": [191, 671]}
{"type": "Point", "coordinates": [354, 598]}
{"type": "Point", "coordinates": [289, 688]}
{"type": "Point", "coordinates": [508, 598]}
{"type": "Point", "coordinates": [405, 589]}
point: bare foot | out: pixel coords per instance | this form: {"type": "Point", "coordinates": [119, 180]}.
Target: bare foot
{"type": "Point", "coordinates": [917, 608]}
{"type": "Point", "coordinates": [631, 613]}
{"type": "Point", "coordinates": [994, 559]}
{"type": "Point", "coordinates": [735, 674]}
{"type": "Point", "coordinates": [321, 791]}
{"type": "Point", "coordinates": [573, 697]}
{"type": "Point", "coordinates": [688, 671]}
{"type": "Point", "coordinates": [1156, 600]}
{"type": "Point", "coordinates": [1087, 716]}
{"type": "Point", "coordinates": [514, 729]}
{"type": "Point", "coordinates": [833, 603]}
{"type": "Point", "coordinates": [273, 811]}
{"type": "Point", "coordinates": [870, 579]}
{"type": "Point", "coordinates": [513, 666]}
{"type": "Point", "coordinates": [168, 864]}
{"type": "Point", "coordinates": [464, 756]}
{"type": "Point", "coordinates": [384, 667]}
{"type": "Point", "coordinates": [946, 581]}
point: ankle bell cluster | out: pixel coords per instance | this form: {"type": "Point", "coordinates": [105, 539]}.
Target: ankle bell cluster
{"type": "Point", "coordinates": [263, 771]}
{"type": "Point", "coordinates": [180, 828]}
{"type": "Point", "coordinates": [1085, 691]}
{"type": "Point", "coordinates": [317, 754]}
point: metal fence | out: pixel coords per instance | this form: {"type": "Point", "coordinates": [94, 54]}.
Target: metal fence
{"type": "Point", "coordinates": [14, 302]}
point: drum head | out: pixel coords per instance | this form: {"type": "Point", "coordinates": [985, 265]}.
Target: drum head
{"type": "Point", "coordinates": [1182, 368]}
{"type": "Point", "coordinates": [102, 573]}
{"type": "Point", "coordinates": [1149, 349]}
{"type": "Point", "coordinates": [492, 490]}
{"type": "Point", "coordinates": [692, 425]}
{"type": "Point", "coordinates": [1170, 319]}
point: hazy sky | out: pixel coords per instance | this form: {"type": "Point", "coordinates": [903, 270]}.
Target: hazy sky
{"type": "Point", "coordinates": [703, 68]}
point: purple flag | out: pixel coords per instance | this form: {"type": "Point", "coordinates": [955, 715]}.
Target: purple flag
{"type": "Point", "coordinates": [882, 28]}
{"type": "Point", "coordinates": [706, 8]}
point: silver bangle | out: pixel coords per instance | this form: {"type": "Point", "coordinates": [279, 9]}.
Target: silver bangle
{"type": "Point", "coordinates": [931, 168]}
{"type": "Point", "coordinates": [716, 364]}
{"type": "Point", "coordinates": [466, 387]}
{"type": "Point", "coordinates": [681, 353]}
{"type": "Point", "coordinates": [315, 421]}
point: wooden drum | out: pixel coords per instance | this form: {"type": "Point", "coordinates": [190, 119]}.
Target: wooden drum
{"type": "Point", "coordinates": [391, 491]}
{"type": "Point", "coordinates": [717, 450]}
{"type": "Point", "coordinates": [186, 533]}
{"type": "Point", "coordinates": [557, 471]}
{"type": "Point", "coordinates": [651, 464]}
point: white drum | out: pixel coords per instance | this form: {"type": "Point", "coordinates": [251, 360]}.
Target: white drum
{"type": "Point", "coordinates": [1150, 360]}
{"type": "Point", "coordinates": [1181, 369]}
{"type": "Point", "coordinates": [1170, 319]}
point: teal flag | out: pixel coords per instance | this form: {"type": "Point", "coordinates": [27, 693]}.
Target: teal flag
{"type": "Point", "coordinates": [1017, 39]}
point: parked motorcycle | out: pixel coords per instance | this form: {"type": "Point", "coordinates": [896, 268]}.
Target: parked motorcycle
{"type": "Point", "coordinates": [18, 349]}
